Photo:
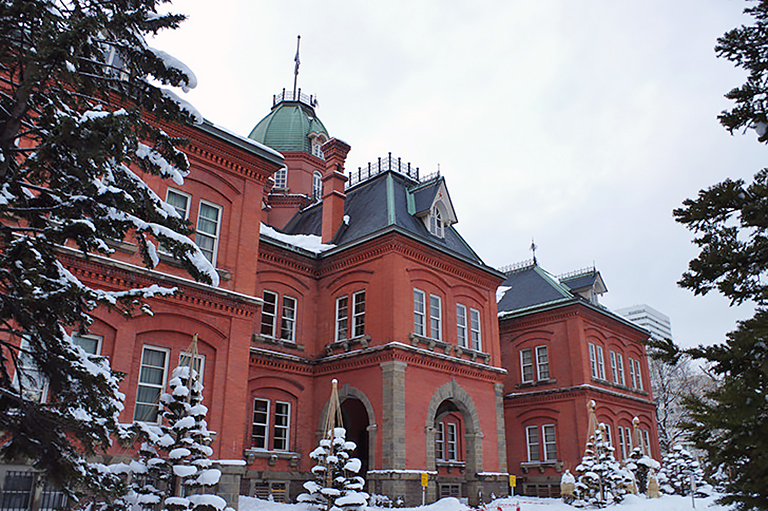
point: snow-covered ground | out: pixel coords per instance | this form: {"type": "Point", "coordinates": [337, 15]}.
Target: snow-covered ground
{"type": "Point", "coordinates": [631, 503]}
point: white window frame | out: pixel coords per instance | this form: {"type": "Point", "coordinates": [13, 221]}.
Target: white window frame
{"type": "Point", "coordinates": [461, 325]}
{"type": "Point", "coordinates": [342, 318]}
{"type": "Point", "coordinates": [187, 197]}
{"type": "Point", "coordinates": [526, 364]}
{"type": "Point", "coordinates": [452, 441]}
{"type": "Point", "coordinates": [548, 439]}
{"type": "Point", "coordinates": [419, 312]}
{"type": "Point", "coordinates": [593, 359]}
{"type": "Point", "coordinates": [281, 178]}
{"type": "Point", "coordinates": [440, 440]}
{"type": "Point", "coordinates": [282, 432]}
{"type": "Point", "coordinates": [204, 234]}
{"type": "Point", "coordinates": [436, 223]}
{"type": "Point", "coordinates": [358, 313]}
{"type": "Point", "coordinates": [287, 321]}
{"type": "Point", "coordinates": [614, 371]}
{"type": "Point", "coordinates": [198, 364]}
{"type": "Point", "coordinates": [160, 387]}
{"type": "Point", "coordinates": [317, 185]}
{"type": "Point", "coordinates": [435, 320]}
{"type": "Point", "coordinates": [638, 375]}
{"type": "Point", "coordinates": [600, 362]}
{"type": "Point", "coordinates": [542, 368]}
{"type": "Point", "coordinates": [646, 441]}
{"type": "Point", "coordinates": [620, 368]}
{"type": "Point", "coordinates": [28, 378]}
{"type": "Point", "coordinates": [474, 328]}
{"type": "Point", "coordinates": [533, 444]}
{"type": "Point", "coordinates": [264, 424]}
{"type": "Point", "coordinates": [273, 315]}
{"type": "Point", "coordinates": [99, 340]}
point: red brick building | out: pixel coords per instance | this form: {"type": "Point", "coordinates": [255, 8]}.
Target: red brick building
{"type": "Point", "coordinates": [562, 349]}
{"type": "Point", "coordinates": [362, 276]}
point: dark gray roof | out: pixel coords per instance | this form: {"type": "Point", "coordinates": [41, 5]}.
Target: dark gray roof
{"type": "Point", "coordinates": [584, 280]}
{"type": "Point", "coordinates": [380, 205]}
{"type": "Point", "coordinates": [424, 195]}
{"type": "Point", "coordinates": [531, 287]}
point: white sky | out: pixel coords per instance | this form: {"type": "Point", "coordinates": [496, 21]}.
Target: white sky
{"type": "Point", "coordinates": [580, 123]}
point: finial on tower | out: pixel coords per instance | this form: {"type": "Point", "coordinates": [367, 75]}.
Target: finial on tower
{"type": "Point", "coordinates": [533, 250]}
{"type": "Point", "coordinates": [296, 67]}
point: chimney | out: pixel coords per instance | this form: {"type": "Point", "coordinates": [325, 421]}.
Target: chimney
{"type": "Point", "coordinates": [335, 152]}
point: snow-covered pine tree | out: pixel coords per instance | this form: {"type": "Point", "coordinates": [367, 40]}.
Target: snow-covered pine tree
{"type": "Point", "coordinates": [677, 467]}
{"type": "Point", "coordinates": [336, 487]}
{"type": "Point", "coordinates": [81, 99]}
{"type": "Point", "coordinates": [602, 480]}
{"type": "Point", "coordinates": [638, 463]}
{"type": "Point", "coordinates": [173, 468]}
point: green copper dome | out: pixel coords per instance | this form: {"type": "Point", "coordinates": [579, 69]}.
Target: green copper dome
{"type": "Point", "coordinates": [289, 125]}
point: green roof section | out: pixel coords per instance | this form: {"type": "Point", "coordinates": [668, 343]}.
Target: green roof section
{"type": "Point", "coordinates": [287, 126]}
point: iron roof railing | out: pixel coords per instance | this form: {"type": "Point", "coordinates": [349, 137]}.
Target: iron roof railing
{"type": "Point", "coordinates": [291, 96]}
{"type": "Point", "coordinates": [385, 164]}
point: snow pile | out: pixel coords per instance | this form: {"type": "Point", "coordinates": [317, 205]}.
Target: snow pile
{"type": "Point", "coordinates": [308, 242]}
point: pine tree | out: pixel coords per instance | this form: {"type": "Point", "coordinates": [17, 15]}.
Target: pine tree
{"type": "Point", "coordinates": [336, 487]}
{"type": "Point", "coordinates": [602, 480]}
{"type": "Point", "coordinates": [678, 466]}
{"type": "Point", "coordinates": [81, 102]}
{"type": "Point", "coordinates": [173, 469]}
{"type": "Point", "coordinates": [731, 229]}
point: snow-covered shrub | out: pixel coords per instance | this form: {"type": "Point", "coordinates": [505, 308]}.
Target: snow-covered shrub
{"type": "Point", "coordinates": [677, 467]}
{"type": "Point", "coordinates": [376, 500]}
{"type": "Point", "coordinates": [335, 487]}
{"type": "Point", "coordinates": [640, 464]}
{"type": "Point", "coordinates": [173, 469]}
{"type": "Point", "coordinates": [602, 479]}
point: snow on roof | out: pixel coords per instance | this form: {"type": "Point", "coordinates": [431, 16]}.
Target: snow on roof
{"type": "Point", "coordinates": [309, 242]}
{"type": "Point", "coordinates": [246, 140]}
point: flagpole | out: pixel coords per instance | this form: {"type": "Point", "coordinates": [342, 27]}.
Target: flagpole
{"type": "Point", "coordinates": [296, 68]}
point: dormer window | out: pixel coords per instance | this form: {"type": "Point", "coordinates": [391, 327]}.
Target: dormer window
{"type": "Point", "coordinates": [436, 222]}
{"type": "Point", "coordinates": [317, 151]}
{"type": "Point", "coordinates": [317, 186]}
{"type": "Point", "coordinates": [281, 178]}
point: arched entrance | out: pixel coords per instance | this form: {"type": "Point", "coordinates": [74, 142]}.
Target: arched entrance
{"type": "Point", "coordinates": [356, 422]}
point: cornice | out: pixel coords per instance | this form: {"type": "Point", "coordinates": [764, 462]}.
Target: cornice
{"type": "Point", "coordinates": [558, 394]}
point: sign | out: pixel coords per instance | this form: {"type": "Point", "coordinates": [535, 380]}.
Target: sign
{"type": "Point", "coordinates": [424, 479]}
{"type": "Point", "coordinates": [512, 481]}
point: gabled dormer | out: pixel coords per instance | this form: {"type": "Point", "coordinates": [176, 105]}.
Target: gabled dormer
{"type": "Point", "coordinates": [587, 283]}
{"type": "Point", "coordinates": [431, 203]}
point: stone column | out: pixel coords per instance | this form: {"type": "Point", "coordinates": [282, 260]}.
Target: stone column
{"type": "Point", "coordinates": [393, 415]}
{"type": "Point", "coordinates": [501, 434]}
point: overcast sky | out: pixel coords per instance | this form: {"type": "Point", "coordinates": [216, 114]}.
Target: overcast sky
{"type": "Point", "coordinates": [580, 123]}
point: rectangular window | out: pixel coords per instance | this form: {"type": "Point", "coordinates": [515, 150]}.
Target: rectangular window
{"type": "Point", "coordinates": [196, 362]}
{"type": "Point", "coordinates": [282, 425]}
{"type": "Point", "coordinates": [532, 439]}
{"type": "Point", "coordinates": [269, 314]}
{"type": "Point", "coordinates": [28, 377]}
{"type": "Point", "coordinates": [342, 317]}
{"type": "Point", "coordinates": [614, 370]}
{"type": "Point", "coordinates": [440, 441]}
{"type": "Point", "coordinates": [638, 375]}
{"type": "Point", "coordinates": [435, 317]}
{"type": "Point", "coordinates": [526, 364]}
{"type": "Point", "coordinates": [632, 375]}
{"type": "Point", "coordinates": [288, 323]}
{"type": "Point", "coordinates": [280, 178]}
{"type": "Point", "coordinates": [542, 362]}
{"type": "Point", "coordinates": [592, 360]}
{"type": "Point", "coordinates": [461, 325]}
{"type": "Point", "coordinates": [90, 343]}
{"type": "Point", "coordinates": [474, 326]}
{"type": "Point", "coordinates": [453, 441]}
{"type": "Point", "coordinates": [620, 369]}
{"type": "Point", "coordinates": [178, 201]}
{"type": "Point", "coordinates": [622, 444]}
{"type": "Point", "coordinates": [600, 362]}
{"type": "Point", "coordinates": [550, 443]}
{"type": "Point", "coordinates": [207, 234]}
{"type": "Point", "coordinates": [418, 312]}
{"type": "Point", "coordinates": [358, 313]}
{"type": "Point", "coordinates": [152, 375]}
{"type": "Point", "coordinates": [18, 490]}
{"type": "Point", "coordinates": [647, 442]}
{"type": "Point", "coordinates": [260, 423]}
{"type": "Point", "coordinates": [608, 434]}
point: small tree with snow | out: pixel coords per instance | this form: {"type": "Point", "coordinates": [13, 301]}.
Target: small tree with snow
{"type": "Point", "coordinates": [677, 467]}
{"type": "Point", "coordinates": [173, 468]}
{"type": "Point", "coordinates": [602, 480]}
{"type": "Point", "coordinates": [336, 486]}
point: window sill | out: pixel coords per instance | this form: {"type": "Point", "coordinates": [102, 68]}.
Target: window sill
{"type": "Point", "coordinates": [347, 344]}
{"type": "Point", "coordinates": [451, 464]}
{"type": "Point", "coordinates": [526, 466]}
{"type": "Point", "coordinates": [253, 454]}
{"type": "Point", "coordinates": [536, 383]}
{"type": "Point", "coordinates": [619, 386]}
{"type": "Point", "coordinates": [123, 246]}
{"type": "Point", "coordinates": [283, 343]}
{"type": "Point", "coordinates": [458, 351]}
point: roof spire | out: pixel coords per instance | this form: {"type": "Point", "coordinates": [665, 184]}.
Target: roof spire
{"type": "Point", "coordinates": [296, 67]}
{"type": "Point", "coordinates": [533, 250]}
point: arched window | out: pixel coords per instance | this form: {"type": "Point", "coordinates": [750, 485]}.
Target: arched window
{"type": "Point", "coordinates": [436, 222]}
{"type": "Point", "coordinates": [317, 186]}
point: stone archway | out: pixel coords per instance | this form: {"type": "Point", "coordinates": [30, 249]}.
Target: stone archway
{"type": "Point", "coordinates": [461, 399]}
{"type": "Point", "coordinates": [358, 405]}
